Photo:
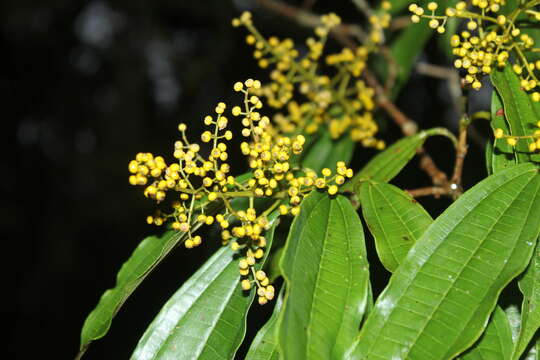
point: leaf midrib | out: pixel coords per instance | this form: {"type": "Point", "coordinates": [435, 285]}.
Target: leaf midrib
{"type": "Point", "coordinates": [430, 256]}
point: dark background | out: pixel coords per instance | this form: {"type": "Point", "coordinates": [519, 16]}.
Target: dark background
{"type": "Point", "coordinates": [84, 86]}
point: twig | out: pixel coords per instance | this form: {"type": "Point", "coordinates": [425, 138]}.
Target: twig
{"type": "Point", "coordinates": [303, 17]}
{"type": "Point", "coordinates": [461, 152]}
{"type": "Point", "coordinates": [435, 191]}
{"type": "Point", "coordinates": [343, 34]}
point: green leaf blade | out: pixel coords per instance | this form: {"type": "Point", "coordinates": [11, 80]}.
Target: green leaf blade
{"type": "Point", "coordinates": [326, 273]}
{"type": "Point", "coordinates": [518, 111]}
{"type": "Point", "coordinates": [529, 285]}
{"type": "Point", "coordinates": [146, 256]}
{"type": "Point", "coordinates": [206, 317]}
{"type": "Point", "coordinates": [395, 219]}
{"type": "Point", "coordinates": [439, 299]}
{"type": "Point", "coordinates": [496, 342]}
{"type": "Point", "coordinates": [265, 345]}
{"type": "Point", "coordinates": [502, 155]}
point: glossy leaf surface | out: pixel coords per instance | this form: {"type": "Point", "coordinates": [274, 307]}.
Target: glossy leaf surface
{"type": "Point", "coordinates": [146, 256]}
{"type": "Point", "coordinates": [496, 342]}
{"type": "Point", "coordinates": [326, 273]}
{"type": "Point", "coordinates": [265, 346]}
{"type": "Point", "coordinates": [529, 285]}
{"type": "Point", "coordinates": [438, 301]}
{"type": "Point", "coordinates": [518, 110]}
{"type": "Point", "coordinates": [394, 218]}
{"type": "Point", "coordinates": [206, 317]}
{"type": "Point", "coordinates": [502, 154]}
{"type": "Point", "coordinates": [388, 163]}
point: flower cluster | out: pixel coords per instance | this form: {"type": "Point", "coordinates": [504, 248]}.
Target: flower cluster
{"type": "Point", "coordinates": [195, 180]}
{"type": "Point", "coordinates": [341, 104]}
{"type": "Point", "coordinates": [490, 40]}
{"type": "Point", "coordinates": [512, 140]}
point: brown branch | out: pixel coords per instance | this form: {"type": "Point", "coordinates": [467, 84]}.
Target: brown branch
{"type": "Point", "coordinates": [461, 152]}
{"type": "Point", "coordinates": [435, 191]}
{"type": "Point", "coordinates": [343, 34]}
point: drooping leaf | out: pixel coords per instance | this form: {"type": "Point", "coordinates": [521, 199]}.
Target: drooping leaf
{"type": "Point", "coordinates": [394, 218]}
{"type": "Point", "coordinates": [405, 50]}
{"type": "Point", "coordinates": [206, 317]}
{"type": "Point", "coordinates": [534, 352]}
{"type": "Point", "coordinates": [388, 163]}
{"type": "Point", "coordinates": [496, 342]}
{"type": "Point", "coordinates": [326, 152]}
{"type": "Point", "coordinates": [274, 271]}
{"type": "Point", "coordinates": [144, 259]}
{"type": "Point", "coordinates": [326, 273]}
{"type": "Point", "coordinates": [149, 253]}
{"type": "Point", "coordinates": [265, 346]}
{"type": "Point", "coordinates": [529, 285]}
{"type": "Point", "coordinates": [439, 299]}
{"type": "Point", "coordinates": [502, 155]}
{"type": "Point", "coordinates": [518, 110]}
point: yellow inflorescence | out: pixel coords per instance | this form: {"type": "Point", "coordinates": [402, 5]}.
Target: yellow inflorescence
{"type": "Point", "coordinates": [511, 140]}
{"type": "Point", "coordinates": [342, 103]}
{"type": "Point", "coordinates": [489, 41]}
{"type": "Point", "coordinates": [194, 180]}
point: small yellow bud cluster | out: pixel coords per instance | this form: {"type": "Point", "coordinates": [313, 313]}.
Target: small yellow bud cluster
{"type": "Point", "coordinates": [343, 104]}
{"type": "Point", "coordinates": [198, 180]}
{"type": "Point", "coordinates": [533, 140]}
{"type": "Point", "coordinates": [265, 291]}
{"type": "Point", "coordinates": [489, 41]}
{"type": "Point", "coordinates": [380, 21]}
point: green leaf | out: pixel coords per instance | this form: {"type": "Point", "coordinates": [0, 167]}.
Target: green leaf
{"type": "Point", "coordinates": [496, 342]}
{"type": "Point", "coordinates": [265, 346]}
{"type": "Point", "coordinates": [489, 157]}
{"type": "Point", "coordinates": [518, 110]}
{"type": "Point", "coordinates": [325, 153]}
{"type": "Point", "coordinates": [326, 273]}
{"type": "Point", "coordinates": [503, 155]}
{"type": "Point", "coordinates": [206, 317]}
{"type": "Point", "coordinates": [394, 218]}
{"type": "Point", "coordinates": [530, 308]}
{"type": "Point", "coordinates": [144, 259]}
{"type": "Point", "coordinates": [534, 352]}
{"type": "Point", "coordinates": [274, 271]}
{"type": "Point", "coordinates": [439, 299]}
{"type": "Point", "coordinates": [388, 163]}
{"type": "Point", "coordinates": [405, 50]}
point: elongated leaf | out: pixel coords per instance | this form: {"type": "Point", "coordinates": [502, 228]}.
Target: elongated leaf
{"type": "Point", "coordinates": [388, 163]}
{"type": "Point", "coordinates": [530, 309]}
{"type": "Point", "coordinates": [265, 345]}
{"type": "Point", "coordinates": [518, 110]}
{"type": "Point", "coordinates": [405, 50]}
{"type": "Point", "coordinates": [503, 155]}
{"type": "Point", "coordinates": [534, 352]}
{"type": "Point", "coordinates": [206, 317]}
{"type": "Point", "coordinates": [146, 256]}
{"type": "Point", "coordinates": [438, 301]}
{"type": "Point", "coordinates": [395, 219]}
{"type": "Point", "coordinates": [496, 342]}
{"type": "Point", "coordinates": [326, 273]}
{"type": "Point", "coordinates": [150, 252]}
